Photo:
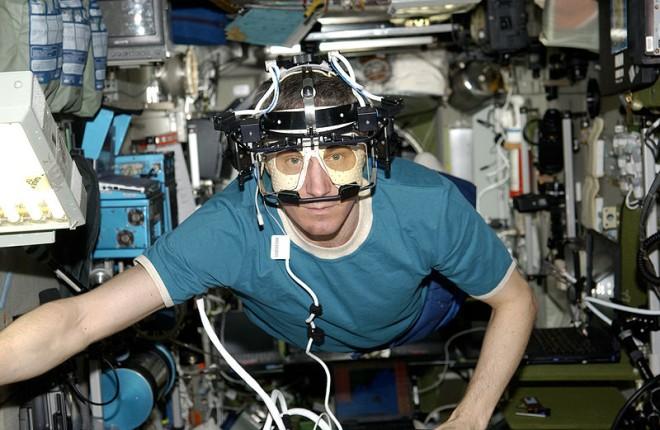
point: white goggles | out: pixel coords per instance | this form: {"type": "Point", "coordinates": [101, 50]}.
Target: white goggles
{"type": "Point", "coordinates": [344, 164]}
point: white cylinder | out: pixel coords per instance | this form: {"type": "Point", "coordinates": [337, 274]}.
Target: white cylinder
{"type": "Point", "coordinates": [193, 153]}
{"type": "Point", "coordinates": [461, 153]}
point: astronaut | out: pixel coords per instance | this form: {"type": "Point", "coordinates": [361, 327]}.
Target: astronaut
{"type": "Point", "coordinates": [330, 243]}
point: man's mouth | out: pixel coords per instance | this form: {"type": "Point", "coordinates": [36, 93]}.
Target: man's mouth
{"type": "Point", "coordinates": [318, 208]}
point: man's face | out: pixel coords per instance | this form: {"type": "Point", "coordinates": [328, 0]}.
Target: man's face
{"type": "Point", "coordinates": [321, 221]}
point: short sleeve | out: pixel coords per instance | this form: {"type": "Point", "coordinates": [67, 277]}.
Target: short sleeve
{"type": "Point", "coordinates": [470, 253]}
{"type": "Point", "coordinates": [205, 251]}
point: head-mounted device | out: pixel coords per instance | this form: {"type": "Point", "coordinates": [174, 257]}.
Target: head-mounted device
{"type": "Point", "coordinates": [350, 141]}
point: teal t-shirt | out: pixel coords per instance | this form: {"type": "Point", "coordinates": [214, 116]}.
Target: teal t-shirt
{"type": "Point", "coordinates": [369, 296]}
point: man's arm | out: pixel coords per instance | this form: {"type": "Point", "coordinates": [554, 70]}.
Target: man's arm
{"type": "Point", "coordinates": [511, 322]}
{"type": "Point", "coordinates": [51, 333]}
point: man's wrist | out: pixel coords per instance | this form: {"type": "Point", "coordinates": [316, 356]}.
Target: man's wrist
{"type": "Point", "coordinates": [471, 417]}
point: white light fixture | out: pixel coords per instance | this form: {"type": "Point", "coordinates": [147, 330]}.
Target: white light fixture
{"type": "Point", "coordinates": [368, 44]}
{"type": "Point", "coordinates": [40, 187]}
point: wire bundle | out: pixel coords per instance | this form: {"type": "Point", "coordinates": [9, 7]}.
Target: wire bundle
{"type": "Point", "coordinates": [648, 244]}
{"type": "Point", "coordinates": [276, 411]}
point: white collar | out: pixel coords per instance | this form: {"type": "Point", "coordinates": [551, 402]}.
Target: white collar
{"type": "Point", "coordinates": [365, 220]}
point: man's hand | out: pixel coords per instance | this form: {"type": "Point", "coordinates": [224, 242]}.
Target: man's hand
{"type": "Point", "coordinates": [458, 424]}
{"type": "Point", "coordinates": [511, 322]}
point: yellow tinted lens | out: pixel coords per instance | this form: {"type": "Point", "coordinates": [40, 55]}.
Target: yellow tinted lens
{"type": "Point", "coordinates": [289, 162]}
{"type": "Point", "coordinates": [340, 158]}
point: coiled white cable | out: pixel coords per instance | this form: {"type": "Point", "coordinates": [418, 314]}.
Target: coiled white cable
{"type": "Point", "coordinates": [348, 78]}
{"type": "Point", "coordinates": [348, 75]}
{"type": "Point", "coordinates": [501, 182]}
{"type": "Point", "coordinates": [274, 89]}
{"type": "Point", "coordinates": [275, 85]}
{"type": "Point", "coordinates": [631, 205]}
{"type": "Point", "coordinates": [310, 341]}
{"type": "Point", "coordinates": [272, 408]}
{"type": "Point", "coordinates": [274, 414]}
{"type": "Point", "coordinates": [310, 321]}
{"type": "Point", "coordinates": [326, 403]}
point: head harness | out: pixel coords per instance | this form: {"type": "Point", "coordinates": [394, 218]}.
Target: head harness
{"type": "Point", "coordinates": [277, 146]}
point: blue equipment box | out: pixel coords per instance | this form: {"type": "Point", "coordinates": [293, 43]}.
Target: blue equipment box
{"type": "Point", "coordinates": [131, 221]}
{"type": "Point", "coordinates": [158, 166]}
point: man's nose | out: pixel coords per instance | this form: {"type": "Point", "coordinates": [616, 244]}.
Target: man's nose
{"type": "Point", "coordinates": [317, 182]}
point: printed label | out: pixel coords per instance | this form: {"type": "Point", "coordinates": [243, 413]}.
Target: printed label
{"type": "Point", "coordinates": [649, 44]}
{"type": "Point", "coordinates": [77, 35]}
{"type": "Point", "coordinates": [99, 44]}
{"type": "Point", "coordinates": [45, 44]}
{"type": "Point", "coordinates": [618, 61]}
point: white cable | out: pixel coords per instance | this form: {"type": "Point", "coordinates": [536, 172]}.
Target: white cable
{"type": "Point", "coordinates": [497, 184]}
{"type": "Point", "coordinates": [598, 313]}
{"type": "Point", "coordinates": [322, 416]}
{"type": "Point", "coordinates": [327, 384]}
{"type": "Point", "coordinates": [301, 283]}
{"type": "Point", "coordinates": [257, 108]}
{"type": "Point", "coordinates": [441, 377]}
{"type": "Point", "coordinates": [439, 409]}
{"type": "Point", "coordinates": [349, 77]}
{"type": "Point", "coordinates": [297, 411]}
{"type": "Point", "coordinates": [277, 395]}
{"type": "Point", "coordinates": [622, 307]}
{"type": "Point", "coordinates": [260, 218]}
{"type": "Point", "coordinates": [653, 126]}
{"type": "Point", "coordinates": [305, 413]}
{"type": "Point", "coordinates": [273, 89]}
{"type": "Point", "coordinates": [310, 416]}
{"type": "Point", "coordinates": [274, 219]}
{"type": "Point", "coordinates": [496, 171]}
{"type": "Point", "coordinates": [310, 321]}
{"type": "Point", "coordinates": [353, 82]}
{"type": "Point", "coordinates": [349, 68]}
{"type": "Point", "coordinates": [348, 81]}
{"type": "Point", "coordinates": [275, 76]}
{"type": "Point", "coordinates": [272, 408]}
{"type": "Point", "coordinates": [629, 205]}
{"type": "Point", "coordinates": [67, 280]}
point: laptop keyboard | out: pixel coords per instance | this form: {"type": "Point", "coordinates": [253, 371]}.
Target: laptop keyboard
{"type": "Point", "coordinates": [567, 344]}
{"type": "Point", "coordinates": [564, 341]}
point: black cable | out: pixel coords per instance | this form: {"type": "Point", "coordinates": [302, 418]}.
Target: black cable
{"type": "Point", "coordinates": [644, 265]}
{"type": "Point", "coordinates": [652, 146]}
{"type": "Point", "coordinates": [632, 399]}
{"type": "Point", "coordinates": [81, 397]}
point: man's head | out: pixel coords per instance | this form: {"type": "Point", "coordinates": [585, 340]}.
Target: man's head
{"type": "Point", "coordinates": [313, 141]}
{"type": "Point", "coordinates": [318, 171]}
